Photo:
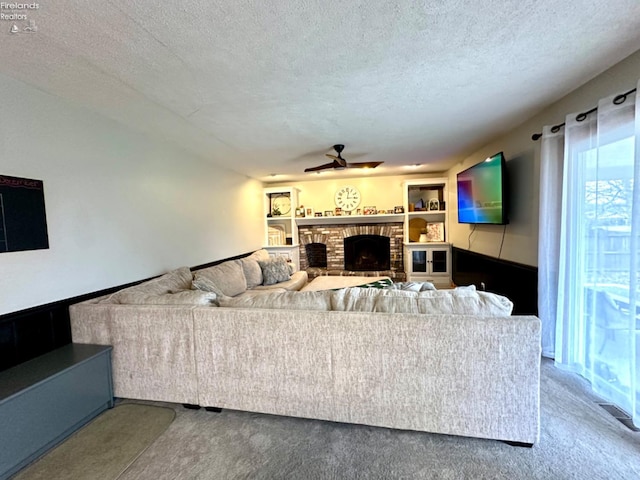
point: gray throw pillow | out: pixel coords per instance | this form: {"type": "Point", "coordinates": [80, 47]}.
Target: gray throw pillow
{"type": "Point", "coordinates": [275, 270]}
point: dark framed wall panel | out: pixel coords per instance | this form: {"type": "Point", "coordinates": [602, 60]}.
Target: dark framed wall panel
{"type": "Point", "coordinates": [29, 333]}
{"type": "Point", "coordinates": [515, 281]}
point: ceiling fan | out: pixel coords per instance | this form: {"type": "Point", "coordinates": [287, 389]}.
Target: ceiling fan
{"type": "Point", "coordinates": [340, 163]}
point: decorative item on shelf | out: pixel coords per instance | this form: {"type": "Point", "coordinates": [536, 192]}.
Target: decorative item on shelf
{"type": "Point", "coordinates": [419, 206]}
{"type": "Point", "coordinates": [346, 213]}
{"type": "Point", "coordinates": [318, 214]}
{"type": "Point", "coordinates": [280, 204]}
{"type": "Point", "coordinates": [435, 232]}
{"type": "Point", "coordinates": [277, 235]}
{"type": "Point", "coordinates": [347, 198]}
{"type": "Point", "coordinates": [412, 207]}
{"type": "Point", "coordinates": [370, 210]}
{"type": "Point", "coordinates": [442, 206]}
{"type": "Point", "coordinates": [328, 213]}
{"type": "Point", "coordinates": [434, 204]}
{"type": "Point", "coordinates": [416, 226]}
{"type": "Point", "coordinates": [288, 241]}
{"type": "Point", "coordinates": [338, 212]}
{"type": "Point", "coordinates": [359, 211]}
{"type": "Point", "coordinates": [300, 212]}
{"type": "Point", "coordinates": [309, 212]}
{"type": "Point", "coordinates": [399, 209]}
{"type": "Point", "coordinates": [389, 212]}
{"type": "Point", "coordinates": [423, 236]}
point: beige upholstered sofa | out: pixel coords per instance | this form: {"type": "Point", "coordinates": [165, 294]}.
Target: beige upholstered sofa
{"type": "Point", "coordinates": [384, 358]}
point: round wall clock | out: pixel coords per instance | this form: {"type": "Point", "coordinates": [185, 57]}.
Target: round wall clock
{"type": "Point", "coordinates": [347, 198]}
{"type": "Point", "coordinates": [282, 202]}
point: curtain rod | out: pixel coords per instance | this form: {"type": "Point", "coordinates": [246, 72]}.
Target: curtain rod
{"type": "Point", "coordinates": [618, 99]}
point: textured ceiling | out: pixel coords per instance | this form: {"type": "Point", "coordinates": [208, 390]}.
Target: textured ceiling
{"type": "Point", "coordinates": [267, 86]}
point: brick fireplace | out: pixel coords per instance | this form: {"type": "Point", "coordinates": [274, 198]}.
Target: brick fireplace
{"type": "Point", "coordinates": [316, 240]}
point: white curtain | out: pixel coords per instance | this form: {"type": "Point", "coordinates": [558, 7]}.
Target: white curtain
{"type": "Point", "coordinates": [551, 155]}
{"type": "Point", "coordinates": [597, 304]}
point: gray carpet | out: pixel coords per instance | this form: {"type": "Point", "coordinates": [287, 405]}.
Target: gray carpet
{"type": "Point", "coordinates": [103, 449]}
{"type": "Point", "coordinates": [578, 440]}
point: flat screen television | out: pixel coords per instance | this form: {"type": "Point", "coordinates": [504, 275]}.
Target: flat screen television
{"type": "Point", "coordinates": [482, 192]}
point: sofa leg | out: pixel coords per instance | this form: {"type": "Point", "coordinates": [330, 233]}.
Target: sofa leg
{"type": "Point", "coordinates": [213, 409]}
{"type": "Point", "coordinates": [518, 444]}
{"type": "Point", "coordinates": [191, 406]}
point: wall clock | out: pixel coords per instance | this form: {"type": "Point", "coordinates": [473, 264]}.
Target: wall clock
{"type": "Point", "coordinates": [281, 202]}
{"type": "Point", "coordinates": [347, 198]}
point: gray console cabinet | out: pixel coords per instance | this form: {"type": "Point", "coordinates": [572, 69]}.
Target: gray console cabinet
{"type": "Point", "coordinates": [44, 400]}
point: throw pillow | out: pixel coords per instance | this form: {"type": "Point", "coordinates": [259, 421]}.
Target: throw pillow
{"type": "Point", "coordinates": [275, 270]}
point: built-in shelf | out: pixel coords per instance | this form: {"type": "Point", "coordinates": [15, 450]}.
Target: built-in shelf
{"type": "Point", "coordinates": [426, 244]}
{"type": "Point", "coordinates": [344, 219]}
{"type": "Point", "coordinates": [426, 212]}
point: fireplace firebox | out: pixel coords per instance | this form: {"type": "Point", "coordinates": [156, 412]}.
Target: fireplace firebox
{"type": "Point", "coordinates": [316, 254]}
{"type": "Point", "coordinates": [367, 253]}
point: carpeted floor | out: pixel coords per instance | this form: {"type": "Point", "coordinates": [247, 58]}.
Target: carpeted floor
{"type": "Point", "coordinates": [579, 440]}
{"type": "Point", "coordinates": [104, 448]}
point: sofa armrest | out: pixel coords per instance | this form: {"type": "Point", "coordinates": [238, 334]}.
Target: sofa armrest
{"type": "Point", "coordinates": [298, 280]}
{"type": "Point", "coordinates": [153, 354]}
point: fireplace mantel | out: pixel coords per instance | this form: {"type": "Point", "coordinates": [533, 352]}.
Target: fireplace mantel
{"type": "Point", "coordinates": [342, 220]}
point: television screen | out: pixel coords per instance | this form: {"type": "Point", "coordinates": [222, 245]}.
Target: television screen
{"type": "Point", "coordinates": [482, 192]}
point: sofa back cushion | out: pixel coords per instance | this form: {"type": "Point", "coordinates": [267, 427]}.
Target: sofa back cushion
{"type": "Point", "coordinates": [183, 297]}
{"type": "Point", "coordinates": [462, 301]}
{"type": "Point", "coordinates": [174, 281]}
{"type": "Point", "coordinates": [319, 301]}
{"type": "Point", "coordinates": [251, 267]}
{"type": "Point", "coordinates": [226, 278]}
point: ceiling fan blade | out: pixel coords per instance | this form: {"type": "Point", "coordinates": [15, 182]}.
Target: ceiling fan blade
{"type": "Point", "coordinates": [364, 165]}
{"type": "Point", "coordinates": [321, 167]}
{"type": "Point", "coordinates": [332, 156]}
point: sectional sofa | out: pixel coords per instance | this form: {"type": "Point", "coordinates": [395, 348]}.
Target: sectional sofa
{"type": "Point", "coordinates": [451, 362]}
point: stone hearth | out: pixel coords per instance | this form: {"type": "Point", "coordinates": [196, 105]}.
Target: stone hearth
{"type": "Point", "coordinates": [333, 237]}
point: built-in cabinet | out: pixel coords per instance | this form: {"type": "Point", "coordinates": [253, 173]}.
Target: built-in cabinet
{"type": "Point", "coordinates": [427, 252]}
{"type": "Point", "coordinates": [281, 231]}
{"type": "Point", "coordinates": [46, 399]}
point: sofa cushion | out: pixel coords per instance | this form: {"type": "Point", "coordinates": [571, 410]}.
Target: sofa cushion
{"type": "Point", "coordinates": [184, 297]}
{"type": "Point", "coordinates": [261, 254]}
{"type": "Point", "coordinates": [226, 278]}
{"type": "Point", "coordinates": [356, 299]}
{"type": "Point", "coordinates": [252, 272]}
{"type": "Point", "coordinates": [298, 280]}
{"type": "Point", "coordinates": [320, 301]}
{"type": "Point", "coordinates": [275, 270]}
{"type": "Point", "coordinates": [251, 267]}
{"type": "Point", "coordinates": [464, 301]}
{"type": "Point", "coordinates": [173, 281]}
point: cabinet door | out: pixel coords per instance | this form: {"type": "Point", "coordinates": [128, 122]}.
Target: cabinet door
{"type": "Point", "coordinates": [439, 261]}
{"type": "Point", "coordinates": [419, 261]}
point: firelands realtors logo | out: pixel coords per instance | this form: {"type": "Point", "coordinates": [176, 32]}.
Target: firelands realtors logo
{"type": "Point", "coordinates": [19, 16]}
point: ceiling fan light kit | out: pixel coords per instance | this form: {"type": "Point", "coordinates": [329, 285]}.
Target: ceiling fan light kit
{"type": "Point", "coordinates": [340, 163]}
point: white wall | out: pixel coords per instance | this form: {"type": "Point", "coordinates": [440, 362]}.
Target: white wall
{"type": "Point", "coordinates": [120, 206]}
{"type": "Point", "coordinates": [380, 192]}
{"type": "Point", "coordinates": [523, 162]}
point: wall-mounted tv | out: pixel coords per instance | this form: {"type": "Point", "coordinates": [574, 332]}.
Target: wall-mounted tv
{"type": "Point", "coordinates": [482, 192]}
